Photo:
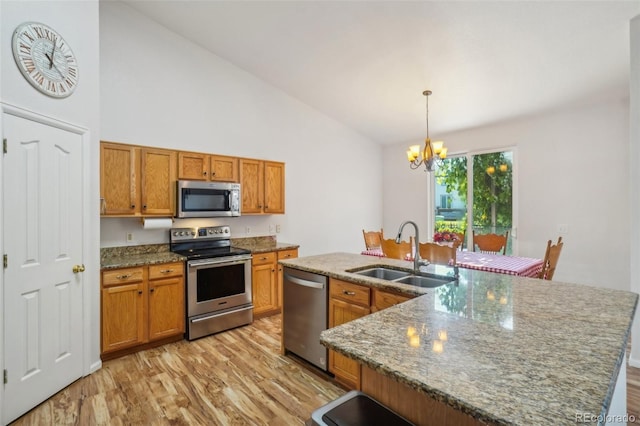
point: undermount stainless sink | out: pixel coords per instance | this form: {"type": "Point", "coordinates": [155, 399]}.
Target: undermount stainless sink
{"type": "Point", "coordinates": [427, 282]}
{"type": "Point", "coordinates": [423, 280]}
{"type": "Point", "coordinates": [383, 273]}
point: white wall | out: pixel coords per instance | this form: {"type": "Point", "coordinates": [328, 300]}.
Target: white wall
{"type": "Point", "coordinates": [572, 169]}
{"type": "Point", "coordinates": [634, 193]}
{"type": "Point", "coordinates": [77, 21]}
{"type": "Point", "coordinates": [158, 89]}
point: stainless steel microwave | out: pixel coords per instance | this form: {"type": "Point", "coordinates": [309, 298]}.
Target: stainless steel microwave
{"type": "Point", "coordinates": [207, 199]}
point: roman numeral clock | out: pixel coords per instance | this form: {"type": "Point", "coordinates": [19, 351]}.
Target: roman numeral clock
{"type": "Point", "coordinates": [45, 59]}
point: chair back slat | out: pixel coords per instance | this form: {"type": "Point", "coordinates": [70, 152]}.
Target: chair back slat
{"type": "Point", "coordinates": [372, 239]}
{"type": "Point", "coordinates": [490, 243]}
{"type": "Point", "coordinates": [437, 253]}
{"type": "Point", "coordinates": [550, 261]}
{"type": "Point", "coordinates": [391, 249]}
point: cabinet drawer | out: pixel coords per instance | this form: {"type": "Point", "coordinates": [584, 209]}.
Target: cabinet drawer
{"type": "Point", "coordinates": [165, 270]}
{"type": "Point", "coordinates": [263, 258]}
{"type": "Point", "coordinates": [383, 300]}
{"type": "Point", "coordinates": [121, 276]}
{"type": "Point", "coordinates": [350, 292]}
{"type": "Point", "coordinates": [287, 254]}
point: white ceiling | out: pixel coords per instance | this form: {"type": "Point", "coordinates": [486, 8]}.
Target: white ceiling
{"type": "Point", "coordinates": [366, 63]}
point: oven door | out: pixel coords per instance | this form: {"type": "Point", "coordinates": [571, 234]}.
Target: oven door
{"type": "Point", "coordinates": [218, 284]}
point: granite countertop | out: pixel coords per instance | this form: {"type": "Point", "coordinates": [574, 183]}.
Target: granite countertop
{"type": "Point", "coordinates": [503, 349]}
{"type": "Point", "coordinates": [150, 254]}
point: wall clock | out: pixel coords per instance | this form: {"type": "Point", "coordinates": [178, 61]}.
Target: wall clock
{"type": "Point", "coordinates": [45, 59]}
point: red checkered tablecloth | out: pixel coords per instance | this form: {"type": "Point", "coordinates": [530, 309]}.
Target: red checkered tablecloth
{"type": "Point", "coordinates": [373, 252]}
{"type": "Point", "coordinates": [510, 265]}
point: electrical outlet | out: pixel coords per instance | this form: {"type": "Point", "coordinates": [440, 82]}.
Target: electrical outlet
{"type": "Point", "coordinates": [563, 228]}
{"type": "Point", "coordinates": [278, 228]}
{"type": "Point", "coordinates": [130, 237]}
{"type": "Point", "coordinates": [272, 229]}
{"type": "Point", "coordinates": [247, 230]}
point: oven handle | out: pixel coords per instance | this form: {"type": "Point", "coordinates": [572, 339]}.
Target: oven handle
{"type": "Point", "coordinates": [208, 317]}
{"type": "Point", "coordinates": [218, 262]}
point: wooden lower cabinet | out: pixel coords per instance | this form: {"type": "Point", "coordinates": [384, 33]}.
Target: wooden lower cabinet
{"type": "Point", "coordinates": [266, 280]}
{"type": "Point", "coordinates": [347, 302]}
{"type": "Point", "coordinates": [140, 306]}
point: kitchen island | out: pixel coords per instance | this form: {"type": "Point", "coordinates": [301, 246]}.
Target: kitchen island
{"type": "Point", "coordinates": [492, 348]}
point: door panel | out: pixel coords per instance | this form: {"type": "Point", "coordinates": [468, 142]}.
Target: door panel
{"type": "Point", "coordinates": [43, 240]}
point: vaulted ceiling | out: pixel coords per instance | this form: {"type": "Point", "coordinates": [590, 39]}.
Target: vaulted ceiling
{"type": "Point", "coordinates": [366, 63]}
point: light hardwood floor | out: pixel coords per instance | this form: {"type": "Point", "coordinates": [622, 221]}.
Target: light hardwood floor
{"type": "Point", "coordinates": [233, 378]}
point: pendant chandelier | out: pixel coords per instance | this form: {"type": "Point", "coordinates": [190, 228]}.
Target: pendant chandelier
{"type": "Point", "coordinates": [432, 154]}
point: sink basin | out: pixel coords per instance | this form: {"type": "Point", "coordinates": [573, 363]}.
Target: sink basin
{"type": "Point", "coordinates": [383, 273]}
{"type": "Point", "coordinates": [403, 277]}
{"type": "Point", "coordinates": [427, 282]}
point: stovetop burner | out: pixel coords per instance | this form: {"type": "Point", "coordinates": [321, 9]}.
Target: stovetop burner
{"type": "Point", "coordinates": [202, 243]}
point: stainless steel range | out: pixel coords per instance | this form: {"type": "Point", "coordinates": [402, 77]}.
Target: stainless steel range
{"type": "Point", "coordinates": [218, 279]}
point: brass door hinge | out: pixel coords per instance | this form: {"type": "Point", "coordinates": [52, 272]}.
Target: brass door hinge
{"type": "Point", "coordinates": [4, 145]}
{"type": "Point", "coordinates": [6, 376]}
{"type": "Point", "coordinates": [5, 261]}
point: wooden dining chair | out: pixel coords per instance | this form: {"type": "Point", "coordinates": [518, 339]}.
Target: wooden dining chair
{"type": "Point", "coordinates": [437, 253]}
{"type": "Point", "coordinates": [372, 239]}
{"type": "Point", "coordinates": [459, 242]}
{"type": "Point", "coordinates": [490, 243]}
{"type": "Point", "coordinates": [397, 251]}
{"type": "Point", "coordinates": [550, 260]}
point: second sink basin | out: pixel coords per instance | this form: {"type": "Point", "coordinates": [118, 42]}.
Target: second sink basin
{"type": "Point", "coordinates": [427, 282]}
{"type": "Point", "coordinates": [383, 273]}
{"type": "Point", "coordinates": [403, 277]}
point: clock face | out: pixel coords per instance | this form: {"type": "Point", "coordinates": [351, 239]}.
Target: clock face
{"type": "Point", "coordinates": [45, 59]}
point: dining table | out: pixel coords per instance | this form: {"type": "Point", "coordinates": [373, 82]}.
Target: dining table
{"type": "Point", "coordinates": [489, 262]}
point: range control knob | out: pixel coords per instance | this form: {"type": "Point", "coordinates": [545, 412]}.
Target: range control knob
{"type": "Point", "coordinates": [211, 231]}
{"type": "Point", "coordinates": [193, 232]}
{"type": "Point", "coordinates": [226, 230]}
{"type": "Point", "coordinates": [181, 233]}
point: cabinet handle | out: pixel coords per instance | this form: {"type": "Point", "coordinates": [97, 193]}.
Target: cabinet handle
{"type": "Point", "coordinates": [133, 206]}
{"type": "Point", "coordinates": [213, 173]}
{"type": "Point", "coordinates": [204, 173]}
{"type": "Point", "coordinates": [151, 290]}
{"type": "Point", "coordinates": [166, 271]}
{"type": "Point", "coordinates": [349, 293]}
{"type": "Point", "coordinates": [263, 258]}
{"type": "Point", "coordinates": [144, 206]}
{"type": "Point", "coordinates": [124, 277]}
{"type": "Point", "coordinates": [139, 291]}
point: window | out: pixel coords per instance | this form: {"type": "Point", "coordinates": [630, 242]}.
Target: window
{"type": "Point", "coordinates": [483, 193]}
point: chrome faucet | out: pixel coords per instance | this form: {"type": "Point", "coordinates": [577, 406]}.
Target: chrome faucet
{"type": "Point", "coordinates": [416, 257]}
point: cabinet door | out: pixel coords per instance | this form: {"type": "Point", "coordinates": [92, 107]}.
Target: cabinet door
{"type": "Point", "coordinates": [166, 307]}
{"type": "Point", "coordinates": [123, 313]}
{"type": "Point", "coordinates": [283, 254]}
{"type": "Point", "coordinates": [193, 166]}
{"type": "Point", "coordinates": [224, 169]}
{"type": "Point", "coordinates": [264, 290]}
{"type": "Point", "coordinates": [158, 181]}
{"type": "Point", "coordinates": [273, 187]}
{"type": "Point", "coordinates": [252, 185]}
{"type": "Point", "coordinates": [384, 299]}
{"type": "Point", "coordinates": [119, 187]}
{"type": "Point", "coordinates": [346, 370]}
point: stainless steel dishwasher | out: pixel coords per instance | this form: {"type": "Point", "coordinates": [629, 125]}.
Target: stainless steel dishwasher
{"type": "Point", "coordinates": [305, 315]}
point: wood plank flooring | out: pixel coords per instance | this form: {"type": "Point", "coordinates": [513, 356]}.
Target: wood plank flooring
{"type": "Point", "coordinates": [233, 378]}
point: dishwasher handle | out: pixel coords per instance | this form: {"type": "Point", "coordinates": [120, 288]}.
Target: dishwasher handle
{"type": "Point", "coordinates": [302, 282]}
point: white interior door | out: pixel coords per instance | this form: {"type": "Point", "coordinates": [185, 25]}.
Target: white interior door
{"type": "Point", "coordinates": [43, 234]}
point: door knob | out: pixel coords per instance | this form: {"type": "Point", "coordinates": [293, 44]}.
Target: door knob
{"type": "Point", "coordinates": [78, 268]}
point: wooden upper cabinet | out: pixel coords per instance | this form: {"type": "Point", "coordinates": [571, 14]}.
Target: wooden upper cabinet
{"type": "Point", "coordinates": [273, 187]}
{"type": "Point", "coordinates": [224, 169]}
{"type": "Point", "coordinates": [158, 181]}
{"type": "Point", "coordinates": [262, 186]}
{"type": "Point", "coordinates": [252, 185]}
{"type": "Point", "coordinates": [136, 181]}
{"type": "Point", "coordinates": [119, 179]}
{"type": "Point", "coordinates": [198, 166]}
{"type": "Point", "coordinates": [193, 166]}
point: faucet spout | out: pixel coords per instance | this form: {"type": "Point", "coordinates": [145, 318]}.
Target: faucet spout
{"type": "Point", "coordinates": [416, 256]}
